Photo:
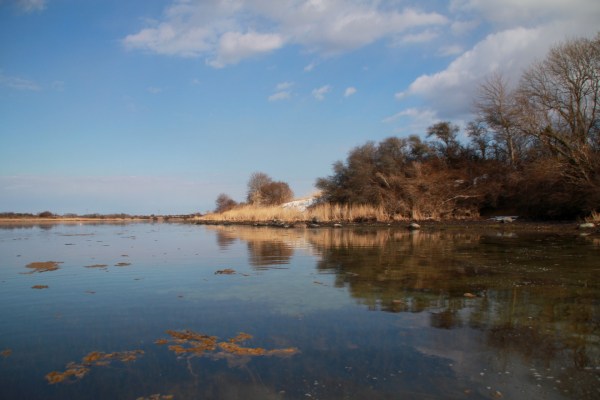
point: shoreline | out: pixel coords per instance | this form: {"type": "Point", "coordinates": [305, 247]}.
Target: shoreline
{"type": "Point", "coordinates": [565, 227]}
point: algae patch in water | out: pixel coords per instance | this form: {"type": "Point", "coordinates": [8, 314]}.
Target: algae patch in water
{"type": "Point", "coordinates": [226, 271]}
{"type": "Point", "coordinates": [197, 344]}
{"type": "Point", "coordinates": [97, 266]}
{"type": "Point", "coordinates": [75, 371]}
{"type": "Point", "coordinates": [122, 264]}
{"type": "Point", "coordinates": [39, 287]}
{"type": "Point", "coordinates": [6, 353]}
{"type": "Point", "coordinates": [157, 396]}
{"type": "Point", "coordinates": [43, 266]}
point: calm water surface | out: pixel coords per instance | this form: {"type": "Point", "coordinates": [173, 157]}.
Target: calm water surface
{"type": "Point", "coordinates": [329, 313]}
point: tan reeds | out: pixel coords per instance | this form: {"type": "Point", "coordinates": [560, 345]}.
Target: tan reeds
{"type": "Point", "coordinates": [322, 212]}
{"type": "Point", "coordinates": [249, 213]}
{"type": "Point", "coordinates": [594, 217]}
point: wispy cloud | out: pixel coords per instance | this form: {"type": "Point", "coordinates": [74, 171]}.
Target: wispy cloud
{"type": "Point", "coordinates": [154, 90]}
{"type": "Point", "coordinates": [31, 5]}
{"type": "Point", "coordinates": [284, 85]}
{"type": "Point", "coordinates": [320, 93]}
{"type": "Point", "coordinates": [282, 92]}
{"type": "Point", "coordinates": [451, 50]}
{"type": "Point", "coordinates": [227, 32]}
{"type": "Point", "coordinates": [15, 82]}
{"type": "Point", "coordinates": [234, 47]}
{"type": "Point", "coordinates": [310, 67]}
{"type": "Point", "coordinates": [421, 37]}
{"type": "Point", "coordinates": [278, 96]}
{"type": "Point", "coordinates": [349, 91]}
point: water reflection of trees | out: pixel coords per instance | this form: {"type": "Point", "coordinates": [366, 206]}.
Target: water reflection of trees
{"type": "Point", "coordinates": [267, 248]}
{"type": "Point", "coordinates": [535, 296]}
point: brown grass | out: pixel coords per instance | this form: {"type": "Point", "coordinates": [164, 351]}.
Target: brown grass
{"type": "Point", "coordinates": [321, 212]}
{"type": "Point", "coordinates": [594, 217]}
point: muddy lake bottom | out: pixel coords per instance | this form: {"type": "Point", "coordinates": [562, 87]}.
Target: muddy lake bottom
{"type": "Point", "coordinates": [180, 311]}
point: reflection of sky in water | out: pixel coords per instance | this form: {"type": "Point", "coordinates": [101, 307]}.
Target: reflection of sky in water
{"type": "Point", "coordinates": [529, 333]}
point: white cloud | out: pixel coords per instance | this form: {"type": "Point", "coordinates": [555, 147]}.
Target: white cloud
{"type": "Point", "coordinates": [413, 120]}
{"type": "Point", "coordinates": [15, 82]}
{"type": "Point", "coordinates": [310, 67]}
{"type": "Point", "coordinates": [509, 52]}
{"type": "Point", "coordinates": [463, 27]}
{"type": "Point", "coordinates": [282, 91]}
{"type": "Point", "coordinates": [320, 93]}
{"type": "Point", "coordinates": [414, 113]}
{"type": "Point", "coordinates": [278, 96]}
{"type": "Point", "coordinates": [421, 37]}
{"type": "Point", "coordinates": [284, 85]}
{"type": "Point", "coordinates": [235, 46]}
{"type": "Point", "coordinates": [451, 50]}
{"type": "Point", "coordinates": [513, 12]}
{"type": "Point", "coordinates": [227, 32]}
{"type": "Point", "coordinates": [31, 5]}
{"type": "Point", "coordinates": [349, 91]}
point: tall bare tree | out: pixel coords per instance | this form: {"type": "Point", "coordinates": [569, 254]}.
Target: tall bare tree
{"type": "Point", "coordinates": [498, 107]}
{"type": "Point", "coordinates": [256, 181]}
{"type": "Point", "coordinates": [561, 96]}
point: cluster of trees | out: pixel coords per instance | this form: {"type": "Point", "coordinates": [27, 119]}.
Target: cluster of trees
{"type": "Point", "coordinates": [262, 191]}
{"type": "Point", "coordinates": [533, 149]}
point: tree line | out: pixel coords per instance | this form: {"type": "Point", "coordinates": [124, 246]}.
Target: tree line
{"type": "Point", "coordinates": [532, 150]}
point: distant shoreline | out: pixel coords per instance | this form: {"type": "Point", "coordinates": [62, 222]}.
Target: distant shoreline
{"type": "Point", "coordinates": [68, 220]}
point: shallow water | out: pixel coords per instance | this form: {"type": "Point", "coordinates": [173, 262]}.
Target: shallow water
{"type": "Point", "coordinates": [362, 313]}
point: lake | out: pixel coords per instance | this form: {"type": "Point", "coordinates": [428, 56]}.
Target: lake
{"type": "Point", "coordinates": [177, 311]}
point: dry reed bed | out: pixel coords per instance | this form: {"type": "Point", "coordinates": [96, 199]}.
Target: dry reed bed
{"type": "Point", "coordinates": [321, 212]}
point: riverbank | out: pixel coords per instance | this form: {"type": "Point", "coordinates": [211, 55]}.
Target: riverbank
{"type": "Point", "coordinates": [558, 227]}
{"type": "Point", "coordinates": [562, 227]}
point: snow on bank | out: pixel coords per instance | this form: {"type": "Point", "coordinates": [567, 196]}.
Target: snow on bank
{"type": "Point", "coordinates": [302, 204]}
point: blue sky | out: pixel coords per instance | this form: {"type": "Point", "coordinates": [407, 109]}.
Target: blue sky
{"type": "Point", "coordinates": [158, 106]}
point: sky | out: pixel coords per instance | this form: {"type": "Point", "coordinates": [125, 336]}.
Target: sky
{"type": "Point", "coordinates": [158, 106]}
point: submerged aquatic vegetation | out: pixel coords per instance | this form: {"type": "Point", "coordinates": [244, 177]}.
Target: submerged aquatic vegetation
{"type": "Point", "coordinates": [197, 344]}
{"type": "Point", "coordinates": [157, 396]}
{"type": "Point", "coordinates": [75, 371]}
{"type": "Point", "coordinates": [39, 287]}
{"type": "Point", "coordinates": [5, 353]}
{"type": "Point", "coordinates": [97, 266]}
{"type": "Point", "coordinates": [43, 266]}
{"type": "Point", "coordinates": [226, 271]}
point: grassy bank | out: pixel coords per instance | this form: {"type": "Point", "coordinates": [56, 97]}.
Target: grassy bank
{"type": "Point", "coordinates": [321, 213]}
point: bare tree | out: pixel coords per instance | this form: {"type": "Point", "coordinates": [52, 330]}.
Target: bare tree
{"type": "Point", "coordinates": [224, 203]}
{"type": "Point", "coordinates": [562, 93]}
{"type": "Point", "coordinates": [498, 107]}
{"type": "Point", "coordinates": [480, 137]}
{"type": "Point", "coordinates": [256, 181]}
